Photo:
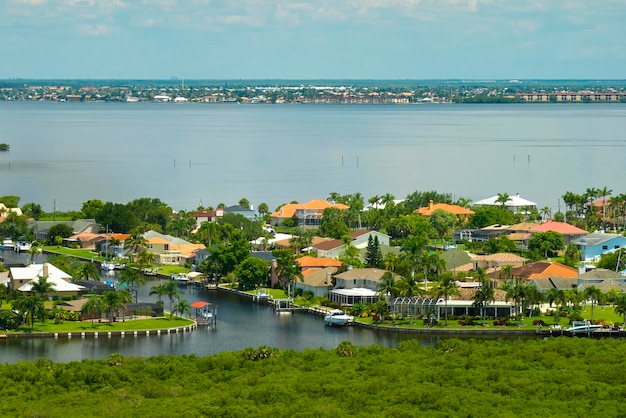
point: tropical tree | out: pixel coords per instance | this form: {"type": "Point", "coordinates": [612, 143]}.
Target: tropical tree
{"type": "Point", "coordinates": [594, 294]}
{"type": "Point", "coordinates": [29, 307]}
{"type": "Point", "coordinates": [135, 244]}
{"type": "Point", "coordinates": [95, 305]}
{"type": "Point", "coordinates": [619, 306]}
{"type": "Point", "coordinates": [183, 307]}
{"type": "Point", "coordinates": [446, 289]}
{"type": "Point", "coordinates": [545, 212]}
{"type": "Point", "coordinates": [131, 278]}
{"type": "Point", "coordinates": [170, 289]}
{"type": "Point", "coordinates": [517, 293]}
{"type": "Point", "coordinates": [114, 301]}
{"type": "Point", "coordinates": [387, 286]}
{"type": "Point", "coordinates": [408, 286]}
{"type": "Point", "coordinates": [252, 272]}
{"type": "Point", "coordinates": [41, 287]}
{"type": "Point", "coordinates": [484, 294]}
{"type": "Point", "coordinates": [534, 297]}
{"type": "Point", "coordinates": [557, 297]}
{"type": "Point", "coordinates": [287, 269]}
{"type": "Point", "coordinates": [87, 271]}
{"type": "Point", "coordinates": [373, 254]}
{"type": "Point", "coordinates": [502, 199]}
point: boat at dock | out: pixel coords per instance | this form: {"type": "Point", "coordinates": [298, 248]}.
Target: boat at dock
{"type": "Point", "coordinates": [337, 317]}
{"type": "Point", "coordinates": [582, 328]}
{"type": "Point", "coordinates": [7, 244]}
{"type": "Point", "coordinates": [23, 246]}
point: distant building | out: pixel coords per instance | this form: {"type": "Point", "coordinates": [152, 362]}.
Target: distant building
{"type": "Point", "coordinates": [593, 245]}
{"type": "Point", "coordinates": [515, 203]}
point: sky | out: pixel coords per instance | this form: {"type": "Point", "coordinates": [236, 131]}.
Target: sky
{"type": "Point", "coordinates": [313, 39]}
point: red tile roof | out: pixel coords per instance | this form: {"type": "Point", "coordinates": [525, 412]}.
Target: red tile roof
{"type": "Point", "coordinates": [560, 227]}
{"type": "Point", "coordinates": [308, 262]}
{"type": "Point", "coordinates": [289, 210]}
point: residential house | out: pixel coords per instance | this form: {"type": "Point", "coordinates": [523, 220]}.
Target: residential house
{"type": "Point", "coordinates": [4, 212]}
{"type": "Point", "coordinates": [41, 228]}
{"type": "Point", "coordinates": [460, 212]}
{"type": "Point", "coordinates": [247, 213]}
{"type": "Point", "coordinates": [331, 248]}
{"type": "Point", "coordinates": [203, 216]}
{"type": "Point", "coordinates": [171, 250]}
{"type": "Point", "coordinates": [515, 203]}
{"type": "Point", "coordinates": [543, 269]}
{"type": "Point", "coordinates": [482, 234]}
{"type": "Point", "coordinates": [317, 281]}
{"type": "Point", "coordinates": [544, 284]}
{"type": "Point", "coordinates": [307, 214]}
{"type": "Point", "coordinates": [21, 278]}
{"type": "Point", "coordinates": [361, 237]}
{"type": "Point", "coordinates": [308, 263]}
{"type": "Point", "coordinates": [570, 232]}
{"type": "Point", "coordinates": [357, 285]}
{"type": "Point", "coordinates": [593, 245]}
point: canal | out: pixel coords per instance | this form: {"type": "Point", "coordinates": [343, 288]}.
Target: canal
{"type": "Point", "coordinates": [240, 324]}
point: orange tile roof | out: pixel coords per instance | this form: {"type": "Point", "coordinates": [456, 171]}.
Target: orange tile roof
{"type": "Point", "coordinates": [560, 227]}
{"type": "Point", "coordinates": [157, 240]}
{"type": "Point", "coordinates": [289, 210]}
{"type": "Point", "coordinates": [308, 261]}
{"type": "Point", "coordinates": [543, 270]}
{"type": "Point", "coordinates": [454, 209]}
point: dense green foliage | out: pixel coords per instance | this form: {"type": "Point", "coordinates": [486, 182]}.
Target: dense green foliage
{"type": "Point", "coordinates": [555, 377]}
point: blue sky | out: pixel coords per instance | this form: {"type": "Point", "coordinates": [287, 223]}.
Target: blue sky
{"type": "Point", "coordinates": [316, 39]}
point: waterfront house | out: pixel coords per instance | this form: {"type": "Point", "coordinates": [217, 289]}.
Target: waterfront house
{"type": "Point", "coordinates": [570, 232]}
{"type": "Point", "coordinates": [247, 213]}
{"type": "Point", "coordinates": [543, 269]}
{"type": "Point", "coordinates": [593, 245]}
{"type": "Point", "coordinates": [515, 203]}
{"type": "Point", "coordinates": [317, 281]}
{"type": "Point", "coordinates": [307, 214]}
{"type": "Point", "coordinates": [307, 263]}
{"type": "Point", "coordinates": [460, 212]}
{"type": "Point", "coordinates": [40, 228]}
{"type": "Point", "coordinates": [21, 278]}
{"type": "Point", "coordinates": [357, 285]}
{"type": "Point", "coordinates": [170, 249]}
{"type": "Point", "coordinates": [203, 216]}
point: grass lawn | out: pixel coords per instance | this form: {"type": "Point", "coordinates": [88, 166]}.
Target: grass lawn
{"type": "Point", "coordinates": [78, 252]}
{"type": "Point", "coordinates": [275, 293]}
{"type": "Point", "coordinates": [128, 325]}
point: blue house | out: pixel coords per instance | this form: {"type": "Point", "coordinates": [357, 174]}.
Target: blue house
{"type": "Point", "coordinates": [248, 213]}
{"type": "Point", "coordinates": [592, 246]}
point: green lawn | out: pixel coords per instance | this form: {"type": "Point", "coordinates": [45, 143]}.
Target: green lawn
{"type": "Point", "coordinates": [79, 252]}
{"type": "Point", "coordinates": [128, 325]}
{"type": "Point", "coordinates": [275, 293]}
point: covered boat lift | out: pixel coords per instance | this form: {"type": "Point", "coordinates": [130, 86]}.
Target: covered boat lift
{"type": "Point", "coordinates": [205, 313]}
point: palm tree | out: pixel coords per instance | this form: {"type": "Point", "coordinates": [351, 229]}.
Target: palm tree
{"type": "Point", "coordinates": [288, 270]}
{"type": "Point", "coordinates": [170, 289]}
{"type": "Point", "coordinates": [183, 307]}
{"type": "Point", "coordinates": [28, 306]}
{"type": "Point", "coordinates": [447, 287]}
{"type": "Point", "coordinates": [146, 258]}
{"type": "Point", "coordinates": [594, 294]}
{"type": "Point", "coordinates": [557, 297]}
{"type": "Point", "coordinates": [604, 192]}
{"type": "Point", "coordinates": [132, 279]}
{"type": "Point", "coordinates": [502, 199]}
{"type": "Point", "coordinates": [114, 301]}
{"type": "Point", "coordinates": [134, 244]}
{"type": "Point", "coordinates": [545, 212]}
{"type": "Point", "coordinates": [157, 291]}
{"type": "Point", "coordinates": [387, 285]}
{"type": "Point", "coordinates": [517, 293]}
{"type": "Point", "coordinates": [88, 271]}
{"type": "Point", "coordinates": [41, 286]}
{"type": "Point", "coordinates": [620, 306]}
{"type": "Point", "coordinates": [483, 295]}
{"type": "Point", "coordinates": [95, 305]}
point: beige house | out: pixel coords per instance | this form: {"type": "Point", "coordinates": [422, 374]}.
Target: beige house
{"type": "Point", "coordinates": [21, 279]}
{"type": "Point", "coordinates": [171, 250]}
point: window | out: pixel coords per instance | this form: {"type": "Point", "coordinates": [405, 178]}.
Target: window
{"type": "Point", "coordinates": [605, 247]}
{"type": "Point", "coordinates": [616, 247]}
{"type": "Point", "coordinates": [166, 247]}
{"type": "Point", "coordinates": [354, 282]}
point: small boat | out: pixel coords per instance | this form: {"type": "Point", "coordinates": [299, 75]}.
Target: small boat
{"type": "Point", "coordinates": [582, 328]}
{"type": "Point", "coordinates": [338, 317]}
{"type": "Point", "coordinates": [180, 279]}
{"type": "Point", "coordinates": [149, 272]}
{"type": "Point", "coordinates": [107, 266]}
{"type": "Point", "coordinates": [22, 246]}
{"type": "Point", "coordinates": [7, 244]}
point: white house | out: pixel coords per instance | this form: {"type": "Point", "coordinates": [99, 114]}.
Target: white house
{"type": "Point", "coordinates": [21, 278]}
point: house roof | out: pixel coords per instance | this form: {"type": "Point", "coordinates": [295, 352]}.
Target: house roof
{"type": "Point", "coordinates": [544, 269]}
{"type": "Point", "coordinates": [204, 214]}
{"type": "Point", "coordinates": [318, 278]}
{"type": "Point", "coordinates": [308, 262]}
{"type": "Point", "coordinates": [500, 258]}
{"type": "Point", "coordinates": [514, 201]}
{"type": "Point", "coordinates": [289, 210]}
{"type": "Point", "coordinates": [599, 273]}
{"type": "Point", "coordinates": [454, 209]}
{"type": "Point", "coordinates": [328, 244]}
{"type": "Point", "coordinates": [455, 258]}
{"type": "Point", "coordinates": [594, 238]}
{"type": "Point", "coordinates": [560, 227]}
{"type": "Point", "coordinates": [55, 276]}
{"type": "Point", "coordinates": [606, 285]}
{"type": "Point", "coordinates": [237, 208]}
{"type": "Point", "coordinates": [364, 273]}
{"type": "Point", "coordinates": [523, 227]}
{"type": "Point", "coordinates": [73, 305]}
{"type": "Point", "coordinates": [560, 283]}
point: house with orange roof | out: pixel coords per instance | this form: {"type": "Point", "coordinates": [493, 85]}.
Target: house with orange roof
{"type": "Point", "coordinates": [317, 263]}
{"type": "Point", "coordinates": [459, 211]}
{"type": "Point", "coordinates": [307, 214]}
{"type": "Point", "coordinates": [171, 250]}
{"type": "Point", "coordinates": [570, 232]}
{"type": "Point", "coordinates": [544, 269]}
{"type": "Point", "coordinates": [317, 281]}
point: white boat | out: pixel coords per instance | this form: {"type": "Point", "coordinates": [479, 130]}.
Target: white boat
{"type": "Point", "coordinates": [107, 266]}
{"type": "Point", "coordinates": [7, 244]}
{"type": "Point", "coordinates": [582, 327]}
{"type": "Point", "coordinates": [180, 278]}
{"type": "Point", "coordinates": [22, 246]}
{"type": "Point", "coordinates": [338, 317]}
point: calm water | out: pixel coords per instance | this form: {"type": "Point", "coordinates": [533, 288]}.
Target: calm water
{"type": "Point", "coordinates": [190, 154]}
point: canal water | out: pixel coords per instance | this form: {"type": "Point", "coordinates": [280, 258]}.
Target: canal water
{"type": "Point", "coordinates": [240, 324]}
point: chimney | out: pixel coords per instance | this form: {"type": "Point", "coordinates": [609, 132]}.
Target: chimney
{"type": "Point", "coordinates": [430, 204]}
{"type": "Point", "coordinates": [45, 270]}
